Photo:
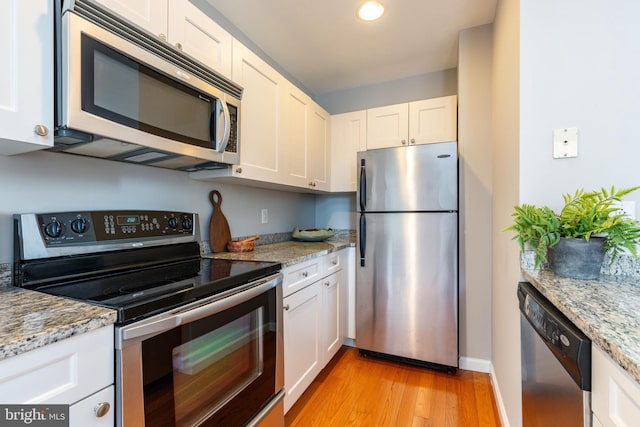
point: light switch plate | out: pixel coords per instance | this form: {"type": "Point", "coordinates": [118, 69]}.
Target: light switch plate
{"type": "Point", "coordinates": [565, 143]}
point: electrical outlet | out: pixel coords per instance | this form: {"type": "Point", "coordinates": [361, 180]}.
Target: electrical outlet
{"type": "Point", "coordinates": [265, 216]}
{"type": "Point", "coordinates": [628, 207]}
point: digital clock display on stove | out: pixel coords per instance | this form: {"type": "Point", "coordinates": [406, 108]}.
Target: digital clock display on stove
{"type": "Point", "coordinates": [127, 220]}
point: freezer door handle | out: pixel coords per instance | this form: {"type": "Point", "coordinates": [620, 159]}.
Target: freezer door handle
{"type": "Point", "coordinates": [363, 238]}
{"type": "Point", "coordinates": [363, 185]}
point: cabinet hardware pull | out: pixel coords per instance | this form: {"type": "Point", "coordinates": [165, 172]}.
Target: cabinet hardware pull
{"type": "Point", "coordinates": [101, 409]}
{"type": "Point", "coordinates": [41, 130]}
{"type": "Point", "coordinates": [404, 142]}
{"type": "Point", "coordinates": [238, 170]}
{"type": "Point", "coordinates": [327, 283]}
{"type": "Point", "coordinates": [179, 46]}
{"type": "Point", "coordinates": [286, 307]}
{"type": "Point", "coordinates": [334, 262]}
{"type": "Point", "coordinates": [305, 274]}
{"type": "Point", "coordinates": [413, 140]}
{"type": "Point", "coordinates": [163, 36]}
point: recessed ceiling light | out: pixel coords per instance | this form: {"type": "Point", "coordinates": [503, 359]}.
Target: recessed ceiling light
{"type": "Point", "coordinates": [370, 10]}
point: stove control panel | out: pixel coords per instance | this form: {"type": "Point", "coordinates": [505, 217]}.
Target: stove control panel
{"type": "Point", "coordinates": [78, 228]}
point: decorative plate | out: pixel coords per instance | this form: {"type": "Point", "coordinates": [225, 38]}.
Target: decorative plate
{"type": "Point", "coordinates": [312, 234]}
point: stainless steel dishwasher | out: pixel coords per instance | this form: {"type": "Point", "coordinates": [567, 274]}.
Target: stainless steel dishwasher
{"type": "Point", "coordinates": [556, 365]}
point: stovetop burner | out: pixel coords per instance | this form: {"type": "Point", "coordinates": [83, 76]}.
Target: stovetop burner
{"type": "Point", "coordinates": [137, 270]}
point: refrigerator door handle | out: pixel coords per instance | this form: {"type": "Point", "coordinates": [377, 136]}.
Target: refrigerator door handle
{"type": "Point", "coordinates": [363, 185]}
{"type": "Point", "coordinates": [363, 238]}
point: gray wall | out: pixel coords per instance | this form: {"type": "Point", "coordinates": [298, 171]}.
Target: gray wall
{"type": "Point", "coordinates": [475, 145]}
{"type": "Point", "coordinates": [49, 182]}
{"type": "Point", "coordinates": [431, 85]}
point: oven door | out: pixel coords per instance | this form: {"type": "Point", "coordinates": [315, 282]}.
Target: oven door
{"type": "Point", "coordinates": [210, 363]}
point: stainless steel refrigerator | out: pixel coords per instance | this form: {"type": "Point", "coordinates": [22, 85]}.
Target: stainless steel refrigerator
{"type": "Point", "coordinates": [407, 244]}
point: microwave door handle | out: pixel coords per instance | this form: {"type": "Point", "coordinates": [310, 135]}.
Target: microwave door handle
{"type": "Point", "coordinates": [220, 110]}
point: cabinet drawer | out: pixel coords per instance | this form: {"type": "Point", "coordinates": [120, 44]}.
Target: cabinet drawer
{"type": "Point", "coordinates": [333, 263]}
{"type": "Point", "coordinates": [60, 373]}
{"type": "Point", "coordinates": [87, 411]}
{"type": "Point", "coordinates": [300, 275]}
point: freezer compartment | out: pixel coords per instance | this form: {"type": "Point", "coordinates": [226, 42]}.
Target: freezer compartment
{"type": "Point", "coordinates": [414, 178]}
{"type": "Point", "coordinates": [407, 290]}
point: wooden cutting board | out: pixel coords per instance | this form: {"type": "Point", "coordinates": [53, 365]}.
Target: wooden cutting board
{"type": "Point", "coordinates": [219, 232]}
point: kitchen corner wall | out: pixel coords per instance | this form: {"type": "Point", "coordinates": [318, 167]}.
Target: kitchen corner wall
{"type": "Point", "coordinates": [50, 182]}
{"type": "Point", "coordinates": [476, 192]}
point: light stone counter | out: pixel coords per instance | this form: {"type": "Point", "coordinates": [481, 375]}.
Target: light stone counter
{"type": "Point", "coordinates": [32, 319]}
{"type": "Point", "coordinates": [606, 310]}
{"type": "Point", "coordinates": [291, 252]}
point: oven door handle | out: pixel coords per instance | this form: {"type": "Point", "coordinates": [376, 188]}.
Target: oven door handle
{"type": "Point", "coordinates": [192, 314]}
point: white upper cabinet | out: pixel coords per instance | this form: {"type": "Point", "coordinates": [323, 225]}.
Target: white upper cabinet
{"type": "Point", "coordinates": [420, 122]}
{"type": "Point", "coordinates": [319, 149]}
{"type": "Point", "coordinates": [193, 32]}
{"type": "Point", "coordinates": [152, 15]}
{"type": "Point", "coordinates": [348, 136]}
{"type": "Point", "coordinates": [295, 150]}
{"type": "Point", "coordinates": [260, 121]}
{"type": "Point", "coordinates": [182, 24]}
{"type": "Point", "coordinates": [26, 76]}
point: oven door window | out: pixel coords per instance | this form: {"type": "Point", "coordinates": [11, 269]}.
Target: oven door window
{"type": "Point", "coordinates": [124, 91]}
{"type": "Point", "coordinates": [215, 371]}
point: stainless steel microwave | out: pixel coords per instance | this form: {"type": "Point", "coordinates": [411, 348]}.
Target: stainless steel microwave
{"type": "Point", "coordinates": [124, 95]}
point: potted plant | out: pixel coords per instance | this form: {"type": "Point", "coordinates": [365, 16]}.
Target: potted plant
{"type": "Point", "coordinates": [575, 241]}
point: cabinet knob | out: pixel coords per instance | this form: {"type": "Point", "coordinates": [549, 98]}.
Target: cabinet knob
{"type": "Point", "coordinates": [334, 262]}
{"type": "Point", "coordinates": [327, 283]}
{"type": "Point", "coordinates": [41, 130]}
{"type": "Point", "coordinates": [179, 46]}
{"type": "Point", "coordinates": [286, 307]}
{"type": "Point", "coordinates": [305, 274]}
{"type": "Point", "coordinates": [413, 140]}
{"type": "Point", "coordinates": [238, 170]}
{"type": "Point", "coordinates": [101, 409]}
{"type": "Point", "coordinates": [404, 142]}
{"type": "Point", "coordinates": [162, 36]}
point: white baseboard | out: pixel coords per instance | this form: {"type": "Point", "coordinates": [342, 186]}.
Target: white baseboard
{"type": "Point", "coordinates": [473, 364]}
{"type": "Point", "coordinates": [498, 396]}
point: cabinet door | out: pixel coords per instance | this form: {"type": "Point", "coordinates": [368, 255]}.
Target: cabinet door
{"type": "Point", "coordinates": [26, 75]}
{"type": "Point", "coordinates": [332, 329]}
{"type": "Point", "coordinates": [615, 395]}
{"type": "Point", "coordinates": [348, 136]}
{"type": "Point", "coordinates": [97, 410]}
{"type": "Point", "coordinates": [296, 132]}
{"type": "Point", "coordinates": [387, 126]}
{"type": "Point", "coordinates": [302, 322]}
{"type": "Point", "coordinates": [193, 32]}
{"type": "Point", "coordinates": [149, 14]}
{"type": "Point", "coordinates": [262, 103]}
{"type": "Point", "coordinates": [349, 274]}
{"type": "Point", "coordinates": [319, 152]}
{"type": "Point", "coordinates": [433, 120]}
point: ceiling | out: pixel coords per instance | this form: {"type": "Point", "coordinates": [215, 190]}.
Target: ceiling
{"type": "Point", "coordinates": [327, 48]}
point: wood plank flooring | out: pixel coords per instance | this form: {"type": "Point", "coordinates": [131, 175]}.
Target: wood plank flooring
{"type": "Point", "coordinates": [360, 391]}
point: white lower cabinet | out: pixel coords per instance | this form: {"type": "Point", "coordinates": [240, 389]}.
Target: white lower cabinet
{"type": "Point", "coordinates": [302, 321]}
{"type": "Point", "coordinates": [615, 395]}
{"type": "Point", "coordinates": [314, 324]}
{"type": "Point", "coordinates": [76, 371]}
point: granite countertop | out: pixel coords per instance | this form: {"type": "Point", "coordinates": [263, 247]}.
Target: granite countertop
{"type": "Point", "coordinates": [32, 319]}
{"type": "Point", "coordinates": [289, 253]}
{"type": "Point", "coordinates": [606, 310]}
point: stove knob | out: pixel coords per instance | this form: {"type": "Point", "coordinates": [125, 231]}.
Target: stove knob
{"type": "Point", "coordinates": [173, 222]}
{"type": "Point", "coordinates": [187, 224]}
{"type": "Point", "coordinates": [53, 229]}
{"type": "Point", "coordinates": [79, 225]}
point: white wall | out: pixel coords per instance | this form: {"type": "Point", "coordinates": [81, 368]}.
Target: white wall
{"type": "Point", "coordinates": [505, 330]}
{"type": "Point", "coordinates": [475, 145]}
{"type": "Point", "coordinates": [50, 182]}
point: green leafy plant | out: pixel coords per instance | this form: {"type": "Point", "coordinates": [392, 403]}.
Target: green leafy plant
{"type": "Point", "coordinates": [584, 215]}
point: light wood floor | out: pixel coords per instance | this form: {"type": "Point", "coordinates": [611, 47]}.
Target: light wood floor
{"type": "Point", "coordinates": [361, 391]}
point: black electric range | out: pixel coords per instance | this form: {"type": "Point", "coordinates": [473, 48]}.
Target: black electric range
{"type": "Point", "coordinates": [139, 263]}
